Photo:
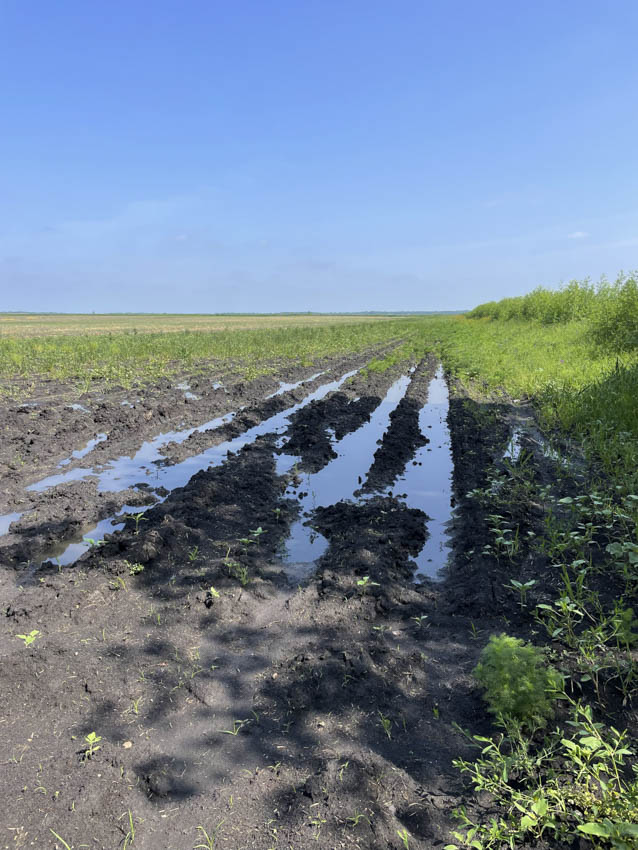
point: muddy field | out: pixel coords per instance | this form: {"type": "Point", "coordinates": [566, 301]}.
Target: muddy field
{"type": "Point", "coordinates": [254, 609]}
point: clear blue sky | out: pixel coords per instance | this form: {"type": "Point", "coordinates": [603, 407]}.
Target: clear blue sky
{"type": "Point", "coordinates": [203, 156]}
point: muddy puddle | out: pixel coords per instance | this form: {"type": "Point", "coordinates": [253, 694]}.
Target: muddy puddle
{"type": "Point", "coordinates": [427, 479]}
{"type": "Point", "coordinates": [6, 520]}
{"type": "Point", "coordinates": [425, 484]}
{"type": "Point", "coordinates": [146, 467]}
{"type": "Point", "coordinates": [285, 387]}
{"type": "Point", "coordinates": [336, 482]}
{"type": "Point", "coordinates": [80, 453]}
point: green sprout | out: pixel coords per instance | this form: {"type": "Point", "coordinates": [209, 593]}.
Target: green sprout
{"type": "Point", "coordinates": [30, 638]}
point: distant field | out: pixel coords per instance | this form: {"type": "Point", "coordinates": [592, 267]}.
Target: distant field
{"type": "Point", "coordinates": [46, 324]}
{"type": "Point", "coordinates": [133, 348]}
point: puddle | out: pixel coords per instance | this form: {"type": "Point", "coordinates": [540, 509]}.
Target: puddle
{"type": "Point", "coordinates": [6, 520]}
{"type": "Point", "coordinates": [285, 387]}
{"type": "Point", "coordinates": [76, 406]}
{"type": "Point", "coordinates": [78, 453]}
{"type": "Point", "coordinates": [427, 479]}
{"type": "Point", "coordinates": [337, 481]}
{"type": "Point", "coordinates": [126, 403]}
{"type": "Point", "coordinates": [65, 553]}
{"type": "Point", "coordinates": [183, 386]}
{"type": "Point", "coordinates": [127, 472]}
{"type": "Point", "coordinates": [192, 396]}
{"type": "Point", "coordinates": [514, 446]}
{"type": "Point", "coordinates": [217, 385]}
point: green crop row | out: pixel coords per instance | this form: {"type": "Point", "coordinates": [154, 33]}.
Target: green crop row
{"type": "Point", "coordinates": [126, 358]}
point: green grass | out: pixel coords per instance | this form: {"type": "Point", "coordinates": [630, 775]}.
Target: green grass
{"type": "Point", "coordinates": [578, 389]}
{"type": "Point", "coordinates": [609, 310]}
{"type": "Point", "coordinates": [126, 357]}
{"type": "Point", "coordinates": [574, 355]}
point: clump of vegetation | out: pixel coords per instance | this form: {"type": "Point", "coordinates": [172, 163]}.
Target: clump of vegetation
{"type": "Point", "coordinates": [517, 681]}
{"type": "Point", "coordinates": [567, 787]}
{"type": "Point", "coordinates": [609, 309]}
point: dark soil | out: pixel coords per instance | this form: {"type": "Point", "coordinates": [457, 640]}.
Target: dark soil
{"type": "Point", "coordinates": [321, 716]}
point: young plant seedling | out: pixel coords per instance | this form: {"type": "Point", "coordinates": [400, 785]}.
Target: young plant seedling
{"type": "Point", "coordinates": [387, 725]}
{"type": "Point", "coordinates": [129, 838]}
{"type": "Point", "coordinates": [139, 517]}
{"type": "Point", "coordinates": [237, 726]}
{"type": "Point", "coordinates": [93, 745]}
{"type": "Point", "coordinates": [364, 583]}
{"type": "Point", "coordinates": [211, 595]}
{"type": "Point", "coordinates": [404, 835]}
{"type": "Point", "coordinates": [209, 840]}
{"type": "Point", "coordinates": [357, 817]}
{"type": "Point", "coordinates": [192, 554]}
{"type": "Point", "coordinates": [522, 588]}
{"type": "Point", "coordinates": [30, 638]}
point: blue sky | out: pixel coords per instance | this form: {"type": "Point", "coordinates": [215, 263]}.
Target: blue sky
{"type": "Point", "coordinates": [333, 155]}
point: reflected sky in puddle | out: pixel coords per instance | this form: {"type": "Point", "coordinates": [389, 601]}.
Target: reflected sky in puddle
{"type": "Point", "coordinates": [65, 553]}
{"type": "Point", "coordinates": [126, 472]}
{"type": "Point", "coordinates": [285, 387]}
{"type": "Point", "coordinates": [337, 481]}
{"type": "Point", "coordinates": [6, 520]}
{"type": "Point", "coordinates": [426, 480]}
{"type": "Point", "coordinates": [79, 453]}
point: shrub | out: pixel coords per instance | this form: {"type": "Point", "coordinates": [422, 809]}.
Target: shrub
{"type": "Point", "coordinates": [517, 682]}
{"type": "Point", "coordinates": [615, 322]}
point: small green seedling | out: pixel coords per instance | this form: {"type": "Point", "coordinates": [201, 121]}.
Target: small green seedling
{"type": "Point", "coordinates": [211, 595]}
{"type": "Point", "coordinates": [237, 726]}
{"type": "Point", "coordinates": [30, 638]}
{"type": "Point", "coordinates": [129, 838]}
{"type": "Point", "coordinates": [522, 588]}
{"type": "Point", "coordinates": [404, 836]}
{"type": "Point", "coordinates": [359, 816]}
{"type": "Point", "coordinates": [364, 583]}
{"type": "Point", "coordinates": [138, 519]}
{"type": "Point", "coordinates": [93, 745]}
{"type": "Point", "coordinates": [208, 840]}
{"type": "Point", "coordinates": [256, 533]}
{"type": "Point", "coordinates": [134, 569]}
{"type": "Point", "coordinates": [420, 620]}
{"type": "Point", "coordinates": [192, 554]}
{"type": "Point", "coordinates": [387, 725]}
{"type": "Point", "coordinates": [118, 583]}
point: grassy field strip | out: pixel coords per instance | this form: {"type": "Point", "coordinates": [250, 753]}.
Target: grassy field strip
{"type": "Point", "coordinates": [43, 324]}
{"type": "Point", "coordinates": [574, 355]}
{"type": "Point", "coordinates": [126, 358]}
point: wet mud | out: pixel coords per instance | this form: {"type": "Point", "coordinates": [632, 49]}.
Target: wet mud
{"type": "Point", "coordinates": [232, 692]}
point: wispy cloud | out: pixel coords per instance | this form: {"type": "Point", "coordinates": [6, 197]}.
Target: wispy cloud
{"type": "Point", "coordinates": [578, 234]}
